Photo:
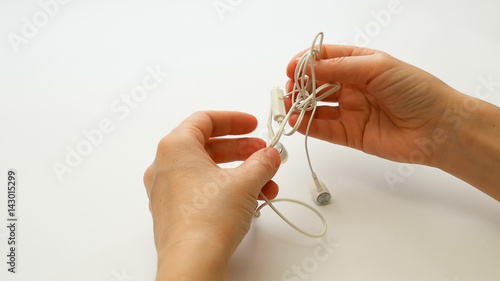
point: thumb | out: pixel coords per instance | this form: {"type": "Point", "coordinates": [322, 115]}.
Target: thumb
{"type": "Point", "coordinates": [259, 168]}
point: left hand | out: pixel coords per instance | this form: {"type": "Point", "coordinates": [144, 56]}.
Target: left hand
{"type": "Point", "coordinates": [201, 212]}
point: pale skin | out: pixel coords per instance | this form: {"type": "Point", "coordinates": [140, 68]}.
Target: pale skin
{"type": "Point", "coordinates": [385, 107]}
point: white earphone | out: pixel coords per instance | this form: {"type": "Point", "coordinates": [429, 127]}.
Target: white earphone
{"type": "Point", "coordinates": [283, 152]}
{"type": "Point", "coordinates": [320, 192]}
{"type": "Point", "coordinates": [305, 96]}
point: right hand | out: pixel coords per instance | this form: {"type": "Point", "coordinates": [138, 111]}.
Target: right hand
{"type": "Point", "coordinates": [385, 106]}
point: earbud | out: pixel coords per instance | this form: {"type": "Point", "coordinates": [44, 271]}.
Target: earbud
{"type": "Point", "coordinates": [320, 193]}
{"type": "Point", "coordinates": [283, 153]}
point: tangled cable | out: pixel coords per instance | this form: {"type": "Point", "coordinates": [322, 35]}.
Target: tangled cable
{"type": "Point", "coordinates": [304, 95]}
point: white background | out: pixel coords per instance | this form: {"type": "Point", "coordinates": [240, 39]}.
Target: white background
{"type": "Point", "coordinates": [94, 223]}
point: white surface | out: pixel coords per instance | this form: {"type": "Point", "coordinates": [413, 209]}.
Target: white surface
{"type": "Point", "coordinates": [95, 224]}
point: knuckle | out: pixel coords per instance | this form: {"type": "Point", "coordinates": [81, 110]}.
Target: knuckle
{"type": "Point", "coordinates": [172, 147]}
{"type": "Point", "coordinates": [335, 61]}
{"type": "Point", "coordinates": [148, 176]}
{"type": "Point", "coordinates": [201, 114]}
{"type": "Point", "coordinates": [166, 144]}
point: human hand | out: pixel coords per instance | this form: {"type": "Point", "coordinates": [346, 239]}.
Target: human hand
{"type": "Point", "coordinates": [201, 212]}
{"type": "Point", "coordinates": [385, 106]}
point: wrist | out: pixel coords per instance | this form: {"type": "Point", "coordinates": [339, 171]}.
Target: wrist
{"type": "Point", "coordinates": [471, 151]}
{"type": "Point", "coordinates": [446, 129]}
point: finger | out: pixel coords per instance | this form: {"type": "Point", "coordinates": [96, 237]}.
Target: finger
{"type": "Point", "coordinates": [322, 113]}
{"type": "Point", "coordinates": [228, 150]}
{"type": "Point", "coordinates": [324, 128]}
{"type": "Point", "coordinates": [326, 113]}
{"type": "Point", "coordinates": [217, 123]}
{"type": "Point", "coordinates": [329, 51]}
{"type": "Point", "coordinates": [334, 97]}
{"type": "Point", "coordinates": [259, 168]}
{"type": "Point", "coordinates": [294, 61]}
{"type": "Point", "coordinates": [270, 190]}
{"type": "Point", "coordinates": [345, 64]}
{"type": "Point", "coordinates": [288, 103]}
{"type": "Point", "coordinates": [348, 70]}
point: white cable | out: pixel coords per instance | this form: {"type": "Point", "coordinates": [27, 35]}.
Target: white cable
{"type": "Point", "coordinates": [305, 96]}
{"type": "Point", "coordinates": [270, 203]}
